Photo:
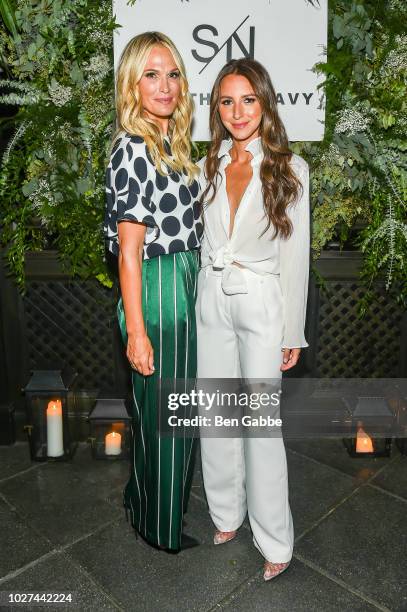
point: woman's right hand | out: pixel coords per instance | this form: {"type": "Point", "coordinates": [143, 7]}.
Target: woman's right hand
{"type": "Point", "coordinates": [140, 354]}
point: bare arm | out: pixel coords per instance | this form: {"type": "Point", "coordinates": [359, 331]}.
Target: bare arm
{"type": "Point", "coordinates": [139, 350]}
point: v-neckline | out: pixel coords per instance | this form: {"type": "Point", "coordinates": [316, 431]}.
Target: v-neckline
{"type": "Point", "coordinates": [228, 232]}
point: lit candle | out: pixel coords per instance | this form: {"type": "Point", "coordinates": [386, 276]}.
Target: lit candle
{"type": "Point", "coordinates": [55, 440]}
{"type": "Point", "coordinates": [364, 442]}
{"type": "Point", "coordinates": [113, 443]}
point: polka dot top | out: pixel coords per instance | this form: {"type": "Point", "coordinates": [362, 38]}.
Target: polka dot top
{"type": "Point", "coordinates": [135, 191]}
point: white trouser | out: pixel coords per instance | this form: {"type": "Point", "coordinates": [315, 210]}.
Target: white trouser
{"type": "Point", "coordinates": [239, 336]}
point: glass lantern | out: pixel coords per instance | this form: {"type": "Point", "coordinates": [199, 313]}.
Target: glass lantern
{"type": "Point", "coordinates": [110, 429]}
{"type": "Point", "coordinates": [372, 425]}
{"type": "Point", "coordinates": [47, 415]}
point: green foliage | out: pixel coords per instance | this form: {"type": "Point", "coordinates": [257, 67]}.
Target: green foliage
{"type": "Point", "coordinates": [358, 172]}
{"type": "Point", "coordinates": [7, 14]}
{"type": "Point", "coordinates": [52, 180]}
{"type": "Point", "coordinates": [59, 59]}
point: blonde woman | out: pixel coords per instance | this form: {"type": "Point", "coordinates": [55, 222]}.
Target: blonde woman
{"type": "Point", "coordinates": [152, 226]}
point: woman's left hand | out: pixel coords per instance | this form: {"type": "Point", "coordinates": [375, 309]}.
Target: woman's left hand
{"type": "Point", "coordinates": [290, 358]}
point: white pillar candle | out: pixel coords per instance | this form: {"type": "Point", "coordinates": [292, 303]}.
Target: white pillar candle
{"type": "Point", "coordinates": [55, 440]}
{"type": "Point", "coordinates": [113, 443]}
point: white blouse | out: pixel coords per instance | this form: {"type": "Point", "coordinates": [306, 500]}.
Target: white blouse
{"type": "Point", "coordinates": [286, 258]}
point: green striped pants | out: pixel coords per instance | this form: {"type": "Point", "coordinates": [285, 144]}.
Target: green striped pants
{"type": "Point", "coordinates": [161, 467]}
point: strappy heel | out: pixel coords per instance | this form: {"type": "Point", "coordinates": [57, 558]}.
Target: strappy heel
{"type": "Point", "coordinates": [272, 570]}
{"type": "Point", "coordinates": [221, 537]}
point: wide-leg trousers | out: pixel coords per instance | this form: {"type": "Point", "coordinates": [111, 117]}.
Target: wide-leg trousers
{"type": "Point", "coordinates": [158, 489]}
{"type": "Point", "coordinates": [240, 336]}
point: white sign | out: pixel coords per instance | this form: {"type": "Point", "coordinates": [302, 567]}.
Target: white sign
{"type": "Point", "coordinates": [287, 36]}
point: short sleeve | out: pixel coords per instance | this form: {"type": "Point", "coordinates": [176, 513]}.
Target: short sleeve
{"type": "Point", "coordinates": [294, 265]}
{"type": "Point", "coordinates": [128, 192]}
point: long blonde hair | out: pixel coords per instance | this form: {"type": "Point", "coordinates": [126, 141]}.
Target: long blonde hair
{"type": "Point", "coordinates": [129, 109]}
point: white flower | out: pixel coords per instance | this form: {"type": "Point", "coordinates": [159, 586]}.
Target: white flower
{"type": "Point", "coordinates": [396, 60]}
{"type": "Point", "coordinates": [97, 67]}
{"type": "Point", "coordinates": [59, 94]}
{"type": "Point", "coordinates": [351, 121]}
{"type": "Point", "coordinates": [95, 30]}
{"type": "Point", "coordinates": [41, 194]}
{"type": "Point", "coordinates": [333, 155]}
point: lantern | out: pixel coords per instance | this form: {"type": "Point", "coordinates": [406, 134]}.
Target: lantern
{"type": "Point", "coordinates": [110, 429]}
{"type": "Point", "coordinates": [47, 415]}
{"type": "Point", "coordinates": [372, 424]}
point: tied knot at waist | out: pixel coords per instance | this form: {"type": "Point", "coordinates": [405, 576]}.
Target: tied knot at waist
{"type": "Point", "coordinates": [222, 257]}
{"type": "Point", "coordinates": [233, 278]}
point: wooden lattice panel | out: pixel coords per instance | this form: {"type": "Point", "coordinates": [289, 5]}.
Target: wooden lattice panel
{"type": "Point", "coordinates": [349, 346]}
{"type": "Point", "coordinates": [71, 324]}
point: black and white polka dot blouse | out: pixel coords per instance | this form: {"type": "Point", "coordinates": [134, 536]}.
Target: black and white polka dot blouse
{"type": "Point", "coordinates": [135, 191]}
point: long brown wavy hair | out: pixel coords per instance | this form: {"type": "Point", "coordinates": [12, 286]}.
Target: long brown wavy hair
{"type": "Point", "coordinates": [280, 186]}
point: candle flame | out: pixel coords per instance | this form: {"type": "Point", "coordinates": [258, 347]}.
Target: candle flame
{"type": "Point", "coordinates": [364, 442]}
{"type": "Point", "coordinates": [54, 406]}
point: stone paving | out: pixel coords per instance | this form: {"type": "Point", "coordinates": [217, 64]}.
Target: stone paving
{"type": "Point", "coordinates": [63, 529]}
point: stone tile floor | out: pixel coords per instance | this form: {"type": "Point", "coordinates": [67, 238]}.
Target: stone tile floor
{"type": "Point", "coordinates": [63, 529]}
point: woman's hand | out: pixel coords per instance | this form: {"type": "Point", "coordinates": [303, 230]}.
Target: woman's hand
{"type": "Point", "coordinates": [139, 350]}
{"type": "Point", "coordinates": [290, 358]}
{"type": "Point", "coordinates": [140, 354]}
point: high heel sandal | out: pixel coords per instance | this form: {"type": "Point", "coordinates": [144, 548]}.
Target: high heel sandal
{"type": "Point", "coordinates": [186, 540]}
{"type": "Point", "coordinates": [221, 537]}
{"type": "Point", "coordinates": [272, 570]}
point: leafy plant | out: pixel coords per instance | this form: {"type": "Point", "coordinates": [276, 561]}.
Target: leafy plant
{"type": "Point", "coordinates": [58, 59]}
{"type": "Point", "coordinates": [359, 170]}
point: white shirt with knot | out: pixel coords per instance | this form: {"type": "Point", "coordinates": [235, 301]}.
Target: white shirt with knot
{"type": "Point", "coordinates": [249, 247]}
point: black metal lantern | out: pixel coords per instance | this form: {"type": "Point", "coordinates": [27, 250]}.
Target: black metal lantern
{"type": "Point", "coordinates": [47, 415]}
{"type": "Point", "coordinates": [110, 429]}
{"type": "Point", "coordinates": [372, 426]}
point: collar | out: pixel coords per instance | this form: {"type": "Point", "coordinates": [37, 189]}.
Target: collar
{"type": "Point", "coordinates": [254, 147]}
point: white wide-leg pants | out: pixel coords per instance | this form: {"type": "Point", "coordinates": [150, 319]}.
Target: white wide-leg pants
{"type": "Point", "coordinates": [239, 336]}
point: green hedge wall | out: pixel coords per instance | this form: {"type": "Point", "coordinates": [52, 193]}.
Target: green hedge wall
{"type": "Point", "coordinates": [58, 61]}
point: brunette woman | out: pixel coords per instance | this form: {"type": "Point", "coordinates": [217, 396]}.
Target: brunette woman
{"type": "Point", "coordinates": [252, 294]}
